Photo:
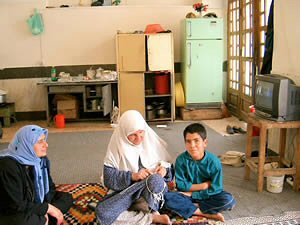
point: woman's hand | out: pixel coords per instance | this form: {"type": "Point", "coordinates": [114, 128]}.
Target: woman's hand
{"type": "Point", "coordinates": [141, 175]}
{"type": "Point", "coordinates": [56, 213]}
{"type": "Point", "coordinates": [161, 171]}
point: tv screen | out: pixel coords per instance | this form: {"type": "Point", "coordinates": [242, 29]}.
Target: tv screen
{"type": "Point", "coordinates": [264, 94]}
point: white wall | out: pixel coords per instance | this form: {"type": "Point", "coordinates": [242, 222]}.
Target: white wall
{"type": "Point", "coordinates": [83, 35]}
{"type": "Point", "coordinates": [286, 57]}
{"type": "Point", "coordinates": [77, 36]}
{"type": "Point", "coordinates": [27, 95]}
{"type": "Point", "coordinates": [18, 47]}
{"type": "Point", "coordinates": [286, 39]}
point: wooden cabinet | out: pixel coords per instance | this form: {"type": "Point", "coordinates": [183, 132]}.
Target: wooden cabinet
{"type": "Point", "coordinates": [131, 92]}
{"type": "Point", "coordinates": [131, 54]}
{"type": "Point", "coordinates": [141, 58]}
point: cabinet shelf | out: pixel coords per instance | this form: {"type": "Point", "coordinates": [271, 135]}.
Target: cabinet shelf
{"type": "Point", "coordinates": [160, 119]}
{"type": "Point", "coordinates": [93, 97]}
{"type": "Point", "coordinates": [157, 96]}
{"type": "Point", "coordinates": [90, 110]}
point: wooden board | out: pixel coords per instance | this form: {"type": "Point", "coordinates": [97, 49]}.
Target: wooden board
{"type": "Point", "coordinates": [201, 114]}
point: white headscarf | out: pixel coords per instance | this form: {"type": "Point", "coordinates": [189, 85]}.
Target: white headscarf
{"type": "Point", "coordinates": [123, 155]}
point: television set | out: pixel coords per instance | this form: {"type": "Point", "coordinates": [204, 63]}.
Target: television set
{"type": "Point", "coordinates": [276, 97]}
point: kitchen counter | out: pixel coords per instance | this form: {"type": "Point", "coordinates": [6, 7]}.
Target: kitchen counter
{"type": "Point", "coordinates": [74, 81]}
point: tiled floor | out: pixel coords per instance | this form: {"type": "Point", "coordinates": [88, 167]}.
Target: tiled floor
{"type": "Point", "coordinates": [8, 132]}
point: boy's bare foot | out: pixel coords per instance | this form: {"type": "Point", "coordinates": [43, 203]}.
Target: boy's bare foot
{"type": "Point", "coordinates": [162, 219]}
{"type": "Point", "coordinates": [217, 216]}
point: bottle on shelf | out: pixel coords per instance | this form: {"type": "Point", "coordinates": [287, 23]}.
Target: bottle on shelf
{"type": "Point", "coordinates": [53, 74]}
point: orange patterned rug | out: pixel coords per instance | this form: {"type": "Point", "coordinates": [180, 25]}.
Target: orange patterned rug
{"type": "Point", "coordinates": [81, 214]}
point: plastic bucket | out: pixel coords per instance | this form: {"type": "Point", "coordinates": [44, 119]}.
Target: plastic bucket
{"type": "Point", "coordinates": [275, 184]}
{"type": "Point", "coordinates": [162, 83]}
{"type": "Point", "coordinates": [59, 120]}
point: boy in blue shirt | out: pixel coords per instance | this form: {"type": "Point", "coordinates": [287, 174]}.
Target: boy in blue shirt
{"type": "Point", "coordinates": [199, 180]}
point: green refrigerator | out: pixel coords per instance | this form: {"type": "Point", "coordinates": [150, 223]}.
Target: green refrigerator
{"type": "Point", "coordinates": [202, 62]}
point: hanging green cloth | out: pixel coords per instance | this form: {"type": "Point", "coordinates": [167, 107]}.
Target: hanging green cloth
{"type": "Point", "coordinates": [35, 23]}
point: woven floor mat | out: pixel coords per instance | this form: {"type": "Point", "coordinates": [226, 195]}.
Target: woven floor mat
{"type": "Point", "coordinates": [81, 214]}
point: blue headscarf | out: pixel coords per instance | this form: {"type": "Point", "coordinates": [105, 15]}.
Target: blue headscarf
{"type": "Point", "coordinates": [21, 149]}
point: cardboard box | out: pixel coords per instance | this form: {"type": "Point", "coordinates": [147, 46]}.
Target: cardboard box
{"type": "Point", "coordinates": [69, 108]}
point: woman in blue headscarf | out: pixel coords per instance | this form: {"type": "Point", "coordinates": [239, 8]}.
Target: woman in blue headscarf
{"type": "Point", "coordinates": [27, 192]}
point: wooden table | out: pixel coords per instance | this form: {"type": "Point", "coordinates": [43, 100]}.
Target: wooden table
{"type": "Point", "coordinates": [256, 164]}
{"type": "Point", "coordinates": [81, 89]}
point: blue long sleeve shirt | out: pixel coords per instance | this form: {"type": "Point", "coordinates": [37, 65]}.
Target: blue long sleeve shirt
{"type": "Point", "coordinates": [118, 180]}
{"type": "Point", "coordinates": [189, 171]}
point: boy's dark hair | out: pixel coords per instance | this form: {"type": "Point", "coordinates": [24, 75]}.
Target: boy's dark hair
{"type": "Point", "coordinates": [195, 128]}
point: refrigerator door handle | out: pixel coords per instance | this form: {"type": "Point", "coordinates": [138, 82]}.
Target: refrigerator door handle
{"type": "Point", "coordinates": [189, 28]}
{"type": "Point", "coordinates": [189, 54]}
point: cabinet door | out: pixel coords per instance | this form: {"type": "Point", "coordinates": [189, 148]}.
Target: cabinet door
{"type": "Point", "coordinates": [160, 51]}
{"type": "Point", "coordinates": [131, 92]}
{"type": "Point", "coordinates": [203, 71]}
{"type": "Point", "coordinates": [107, 99]}
{"type": "Point", "coordinates": [131, 52]}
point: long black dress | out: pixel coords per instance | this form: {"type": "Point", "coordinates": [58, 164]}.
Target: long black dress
{"type": "Point", "coordinates": [17, 196]}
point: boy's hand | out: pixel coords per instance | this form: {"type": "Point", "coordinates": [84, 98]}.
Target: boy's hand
{"type": "Point", "coordinates": [207, 184]}
{"type": "Point", "coordinates": [189, 193]}
{"type": "Point", "coordinates": [161, 171]}
{"type": "Point", "coordinates": [141, 175]}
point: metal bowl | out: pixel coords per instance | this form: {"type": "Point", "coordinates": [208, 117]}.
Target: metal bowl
{"type": "Point", "coordinates": [162, 112]}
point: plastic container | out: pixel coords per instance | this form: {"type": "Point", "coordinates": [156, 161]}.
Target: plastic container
{"type": "Point", "coordinates": [59, 120]}
{"type": "Point", "coordinates": [256, 131]}
{"type": "Point", "coordinates": [275, 184]}
{"type": "Point", "coordinates": [162, 83]}
{"type": "Point", "coordinates": [153, 28]}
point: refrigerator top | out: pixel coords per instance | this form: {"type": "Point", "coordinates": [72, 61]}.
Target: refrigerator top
{"type": "Point", "coordinates": [204, 28]}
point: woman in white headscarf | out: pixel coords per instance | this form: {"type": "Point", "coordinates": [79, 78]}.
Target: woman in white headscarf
{"type": "Point", "coordinates": [136, 168]}
{"type": "Point", "coordinates": [27, 193]}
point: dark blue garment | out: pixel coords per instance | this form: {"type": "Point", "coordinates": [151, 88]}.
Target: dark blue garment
{"type": "Point", "coordinates": [184, 206]}
{"type": "Point", "coordinates": [151, 189]}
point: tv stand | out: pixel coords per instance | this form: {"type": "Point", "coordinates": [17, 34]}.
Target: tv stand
{"type": "Point", "coordinates": [256, 164]}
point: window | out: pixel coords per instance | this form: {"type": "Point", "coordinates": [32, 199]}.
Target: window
{"type": "Point", "coordinates": [247, 25]}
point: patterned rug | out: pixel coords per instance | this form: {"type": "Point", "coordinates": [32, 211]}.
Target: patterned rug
{"type": "Point", "coordinates": [81, 214]}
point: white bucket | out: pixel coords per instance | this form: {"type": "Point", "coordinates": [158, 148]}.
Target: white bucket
{"type": "Point", "coordinates": [275, 184]}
